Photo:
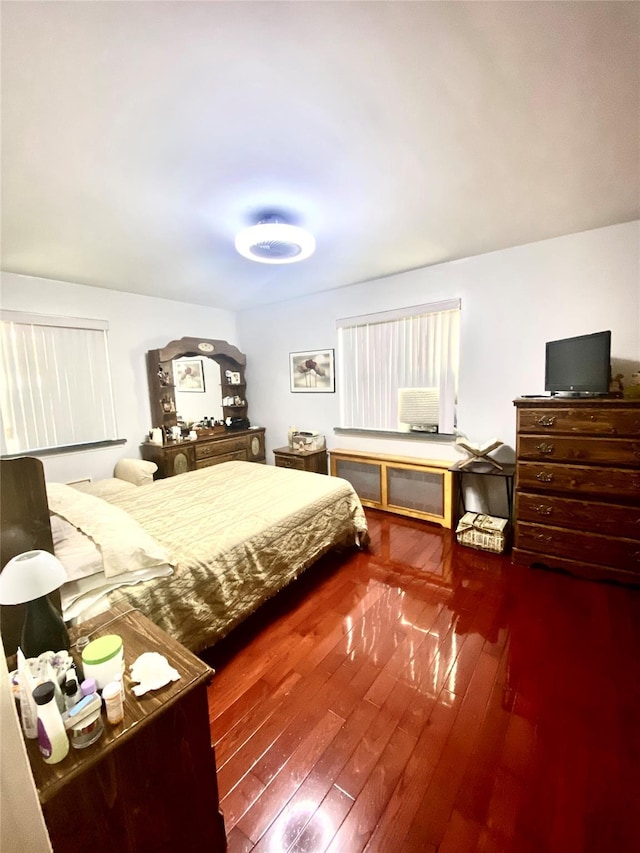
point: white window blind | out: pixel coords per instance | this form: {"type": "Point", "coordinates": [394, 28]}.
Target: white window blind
{"type": "Point", "coordinates": [56, 382]}
{"type": "Point", "coordinates": [379, 354]}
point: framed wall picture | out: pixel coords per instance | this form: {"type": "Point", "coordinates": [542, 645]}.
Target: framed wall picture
{"type": "Point", "coordinates": [188, 375]}
{"type": "Point", "coordinates": [312, 371]}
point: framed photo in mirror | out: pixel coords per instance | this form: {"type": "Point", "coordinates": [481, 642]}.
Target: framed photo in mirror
{"type": "Point", "coordinates": [188, 375]}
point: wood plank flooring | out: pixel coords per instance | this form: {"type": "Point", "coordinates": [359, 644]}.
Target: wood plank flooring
{"type": "Point", "coordinates": [422, 697]}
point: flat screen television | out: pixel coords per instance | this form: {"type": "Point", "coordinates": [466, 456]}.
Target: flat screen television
{"type": "Point", "coordinates": [579, 366]}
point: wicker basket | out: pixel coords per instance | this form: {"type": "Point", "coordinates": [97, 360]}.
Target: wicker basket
{"type": "Point", "coordinates": [483, 532]}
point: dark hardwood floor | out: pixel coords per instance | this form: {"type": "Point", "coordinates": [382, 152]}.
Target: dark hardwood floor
{"type": "Point", "coordinates": [423, 696]}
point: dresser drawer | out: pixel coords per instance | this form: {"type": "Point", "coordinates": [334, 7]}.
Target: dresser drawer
{"type": "Point", "coordinates": [595, 451]}
{"type": "Point", "coordinates": [216, 448]}
{"type": "Point", "coordinates": [236, 456]}
{"type": "Point", "coordinates": [597, 482]}
{"type": "Point", "coordinates": [583, 420]}
{"type": "Point", "coordinates": [291, 462]}
{"type": "Point", "coordinates": [578, 545]}
{"type": "Point", "coordinates": [607, 519]}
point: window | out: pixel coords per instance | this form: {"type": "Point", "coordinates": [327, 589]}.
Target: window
{"type": "Point", "coordinates": [404, 359]}
{"type": "Point", "coordinates": [56, 383]}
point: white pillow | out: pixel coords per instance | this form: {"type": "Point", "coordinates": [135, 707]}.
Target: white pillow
{"type": "Point", "coordinates": [88, 596]}
{"type": "Point", "coordinates": [136, 471]}
{"type": "Point", "coordinates": [77, 552]}
{"type": "Point", "coordinates": [104, 488]}
{"type": "Point", "coordinates": [124, 544]}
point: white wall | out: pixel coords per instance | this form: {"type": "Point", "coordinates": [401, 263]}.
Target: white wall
{"type": "Point", "coordinates": [513, 301]}
{"type": "Point", "coordinates": [136, 324]}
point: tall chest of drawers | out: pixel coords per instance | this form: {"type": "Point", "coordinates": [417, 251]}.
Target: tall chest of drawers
{"type": "Point", "coordinates": [577, 504]}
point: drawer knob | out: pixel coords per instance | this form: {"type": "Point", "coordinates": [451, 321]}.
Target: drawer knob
{"type": "Point", "coordinates": [544, 477]}
{"type": "Point", "coordinates": [636, 556]}
{"type": "Point", "coordinates": [542, 537]}
{"type": "Point", "coordinates": [543, 447]}
{"type": "Point", "coordinates": [546, 420]}
{"type": "Point", "coordinates": [541, 509]}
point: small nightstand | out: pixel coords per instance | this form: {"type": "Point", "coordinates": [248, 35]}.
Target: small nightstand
{"type": "Point", "coordinates": [149, 783]}
{"type": "Point", "coordinates": [304, 460]}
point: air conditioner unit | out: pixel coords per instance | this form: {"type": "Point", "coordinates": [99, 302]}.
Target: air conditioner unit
{"type": "Point", "coordinates": [418, 409]}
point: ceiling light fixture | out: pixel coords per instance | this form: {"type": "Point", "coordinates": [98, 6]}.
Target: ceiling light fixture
{"type": "Point", "coordinates": [273, 241]}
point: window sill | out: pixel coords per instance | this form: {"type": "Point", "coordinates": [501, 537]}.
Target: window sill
{"type": "Point", "coordinates": [67, 448]}
{"type": "Point", "coordinates": [442, 437]}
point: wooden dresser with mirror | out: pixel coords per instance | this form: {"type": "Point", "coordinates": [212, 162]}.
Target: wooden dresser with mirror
{"type": "Point", "coordinates": [216, 389]}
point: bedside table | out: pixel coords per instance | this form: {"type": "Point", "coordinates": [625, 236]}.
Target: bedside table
{"type": "Point", "coordinates": [304, 460]}
{"type": "Point", "coordinates": [148, 785]}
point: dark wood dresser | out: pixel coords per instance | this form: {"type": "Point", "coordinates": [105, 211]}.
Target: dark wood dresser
{"type": "Point", "coordinates": [176, 457]}
{"type": "Point", "coordinates": [148, 785]}
{"type": "Point", "coordinates": [303, 460]}
{"type": "Point", "coordinates": [577, 503]}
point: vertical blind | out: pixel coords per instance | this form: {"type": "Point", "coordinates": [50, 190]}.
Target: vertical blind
{"type": "Point", "coordinates": [56, 383]}
{"type": "Point", "coordinates": [414, 347]}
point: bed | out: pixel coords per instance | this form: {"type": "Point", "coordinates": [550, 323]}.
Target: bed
{"type": "Point", "coordinates": [199, 552]}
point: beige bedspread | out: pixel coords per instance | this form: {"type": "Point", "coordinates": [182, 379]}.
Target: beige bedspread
{"type": "Point", "coordinates": [236, 533]}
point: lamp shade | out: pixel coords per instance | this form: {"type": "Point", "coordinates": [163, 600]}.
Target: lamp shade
{"type": "Point", "coordinates": [30, 575]}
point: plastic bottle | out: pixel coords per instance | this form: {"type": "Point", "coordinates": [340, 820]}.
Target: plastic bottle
{"type": "Point", "coordinates": [88, 687]}
{"type": "Point", "coordinates": [112, 698]}
{"type": "Point", "coordinates": [120, 679]}
{"type": "Point", "coordinates": [71, 689]}
{"type": "Point", "coordinates": [49, 674]}
{"type": "Point", "coordinates": [52, 737]}
{"type": "Point", "coordinates": [28, 712]}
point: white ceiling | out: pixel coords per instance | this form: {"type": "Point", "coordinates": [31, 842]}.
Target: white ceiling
{"type": "Point", "coordinates": [138, 137]}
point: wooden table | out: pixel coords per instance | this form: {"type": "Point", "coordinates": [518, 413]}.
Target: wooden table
{"type": "Point", "coordinates": [484, 469]}
{"type": "Point", "coordinates": [148, 785]}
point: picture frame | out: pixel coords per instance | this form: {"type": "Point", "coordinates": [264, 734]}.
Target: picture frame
{"type": "Point", "coordinates": [232, 377]}
{"type": "Point", "coordinates": [188, 375]}
{"type": "Point", "coordinates": [312, 371]}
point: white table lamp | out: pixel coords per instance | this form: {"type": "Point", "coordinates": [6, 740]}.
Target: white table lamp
{"type": "Point", "coordinates": [28, 579]}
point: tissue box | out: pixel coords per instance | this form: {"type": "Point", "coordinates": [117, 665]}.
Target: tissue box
{"type": "Point", "coordinates": [484, 532]}
{"type": "Point", "coordinates": [307, 441]}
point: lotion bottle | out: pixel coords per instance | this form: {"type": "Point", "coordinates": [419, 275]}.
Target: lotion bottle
{"type": "Point", "coordinates": [52, 737]}
{"type": "Point", "coordinates": [28, 713]}
{"type": "Point", "coordinates": [72, 692]}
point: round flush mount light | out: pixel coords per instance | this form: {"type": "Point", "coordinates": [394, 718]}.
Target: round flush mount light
{"type": "Point", "coordinates": [273, 241]}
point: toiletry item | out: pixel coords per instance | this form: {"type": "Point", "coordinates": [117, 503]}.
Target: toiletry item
{"type": "Point", "coordinates": [86, 706]}
{"type": "Point", "coordinates": [112, 698]}
{"type": "Point", "coordinates": [120, 681]}
{"type": "Point", "coordinates": [48, 673]}
{"type": "Point", "coordinates": [72, 692]}
{"type": "Point", "coordinates": [52, 737]}
{"type": "Point", "coordinates": [28, 712]}
{"type": "Point", "coordinates": [88, 687]}
{"type": "Point", "coordinates": [103, 659]}
{"type": "Point", "coordinates": [84, 722]}
{"type": "Point", "coordinates": [82, 643]}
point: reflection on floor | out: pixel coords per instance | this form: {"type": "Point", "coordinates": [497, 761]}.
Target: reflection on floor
{"type": "Point", "coordinates": [423, 696]}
